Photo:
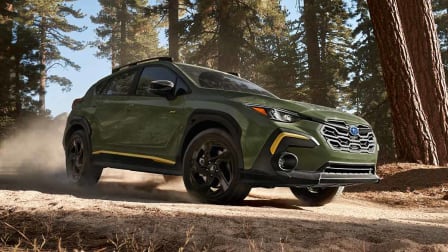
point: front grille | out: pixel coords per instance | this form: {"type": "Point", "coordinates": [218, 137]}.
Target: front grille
{"type": "Point", "coordinates": [337, 134]}
{"type": "Point", "coordinates": [336, 168]}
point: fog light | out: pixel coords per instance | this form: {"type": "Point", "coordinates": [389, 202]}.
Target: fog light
{"type": "Point", "coordinates": [286, 161]}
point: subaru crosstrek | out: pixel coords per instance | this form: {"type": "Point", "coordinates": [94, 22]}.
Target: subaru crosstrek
{"type": "Point", "coordinates": [222, 133]}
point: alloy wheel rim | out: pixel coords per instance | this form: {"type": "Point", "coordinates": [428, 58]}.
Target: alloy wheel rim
{"type": "Point", "coordinates": [212, 164]}
{"type": "Point", "coordinates": [76, 157]}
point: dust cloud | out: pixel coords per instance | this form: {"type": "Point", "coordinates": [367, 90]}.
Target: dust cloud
{"type": "Point", "coordinates": [33, 158]}
{"type": "Point", "coordinates": [34, 148]}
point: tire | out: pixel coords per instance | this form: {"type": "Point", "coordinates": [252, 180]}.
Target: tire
{"type": "Point", "coordinates": [78, 160]}
{"type": "Point", "coordinates": [315, 196]}
{"type": "Point", "coordinates": [211, 172]}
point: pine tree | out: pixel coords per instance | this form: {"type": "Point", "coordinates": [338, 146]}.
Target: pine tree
{"type": "Point", "coordinates": [173, 29]}
{"type": "Point", "coordinates": [424, 49]}
{"type": "Point", "coordinates": [413, 138]}
{"type": "Point", "coordinates": [234, 36]}
{"type": "Point", "coordinates": [327, 44]}
{"type": "Point", "coordinates": [126, 33]}
{"type": "Point", "coordinates": [50, 19]}
{"type": "Point", "coordinates": [278, 59]}
{"type": "Point", "coordinates": [6, 37]}
{"type": "Point", "coordinates": [367, 93]}
{"type": "Point", "coordinates": [19, 65]}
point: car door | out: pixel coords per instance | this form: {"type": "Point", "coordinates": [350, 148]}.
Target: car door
{"type": "Point", "coordinates": [111, 114]}
{"type": "Point", "coordinates": [156, 123]}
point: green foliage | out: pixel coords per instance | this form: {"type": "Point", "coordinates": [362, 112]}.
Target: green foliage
{"type": "Point", "coordinates": [19, 66]}
{"type": "Point", "coordinates": [249, 37]}
{"type": "Point", "coordinates": [31, 33]}
{"type": "Point", "coordinates": [333, 52]}
{"type": "Point", "coordinates": [50, 21]}
{"type": "Point", "coordinates": [440, 8]}
{"type": "Point", "coordinates": [126, 33]}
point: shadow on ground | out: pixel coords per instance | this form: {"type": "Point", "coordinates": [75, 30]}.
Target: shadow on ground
{"type": "Point", "coordinates": [414, 179]}
{"type": "Point", "coordinates": [112, 188]}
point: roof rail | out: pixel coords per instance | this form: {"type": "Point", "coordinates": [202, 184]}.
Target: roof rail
{"type": "Point", "coordinates": [116, 69]}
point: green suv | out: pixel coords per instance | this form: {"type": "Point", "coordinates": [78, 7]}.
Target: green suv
{"type": "Point", "coordinates": [222, 133]}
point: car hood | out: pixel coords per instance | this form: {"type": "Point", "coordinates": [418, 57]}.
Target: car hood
{"type": "Point", "coordinates": [314, 112]}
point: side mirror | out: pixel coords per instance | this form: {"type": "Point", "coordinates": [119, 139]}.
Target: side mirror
{"type": "Point", "coordinates": [162, 87]}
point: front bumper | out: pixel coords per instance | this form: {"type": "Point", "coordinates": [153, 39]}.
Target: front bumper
{"type": "Point", "coordinates": [319, 166]}
{"type": "Point", "coordinates": [298, 178]}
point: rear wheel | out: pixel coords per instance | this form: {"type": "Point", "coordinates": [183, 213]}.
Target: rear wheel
{"type": "Point", "coordinates": [315, 196]}
{"type": "Point", "coordinates": [78, 159]}
{"type": "Point", "coordinates": [211, 171]}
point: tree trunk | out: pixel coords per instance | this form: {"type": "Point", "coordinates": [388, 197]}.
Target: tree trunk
{"type": "Point", "coordinates": [6, 31]}
{"type": "Point", "coordinates": [173, 31]}
{"type": "Point", "coordinates": [424, 50]}
{"type": "Point", "coordinates": [318, 90]}
{"type": "Point", "coordinates": [43, 63]}
{"type": "Point", "coordinates": [413, 138]}
{"type": "Point", "coordinates": [123, 33]}
{"type": "Point", "coordinates": [227, 50]}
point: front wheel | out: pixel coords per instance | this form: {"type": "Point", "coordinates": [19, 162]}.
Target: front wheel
{"type": "Point", "coordinates": [78, 160]}
{"type": "Point", "coordinates": [211, 171]}
{"type": "Point", "coordinates": [315, 196]}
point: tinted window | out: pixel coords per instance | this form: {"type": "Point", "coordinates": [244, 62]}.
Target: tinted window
{"type": "Point", "coordinates": [153, 73]}
{"type": "Point", "coordinates": [208, 78]}
{"type": "Point", "coordinates": [120, 84]}
{"type": "Point", "coordinates": [99, 87]}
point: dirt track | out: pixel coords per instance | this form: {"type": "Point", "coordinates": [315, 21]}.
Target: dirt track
{"type": "Point", "coordinates": [134, 211]}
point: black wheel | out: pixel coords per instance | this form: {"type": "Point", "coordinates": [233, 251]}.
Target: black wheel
{"type": "Point", "coordinates": [211, 171]}
{"type": "Point", "coordinates": [78, 160]}
{"type": "Point", "coordinates": [315, 196]}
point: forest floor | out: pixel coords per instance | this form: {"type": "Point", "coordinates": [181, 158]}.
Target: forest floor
{"type": "Point", "coordinates": [129, 211]}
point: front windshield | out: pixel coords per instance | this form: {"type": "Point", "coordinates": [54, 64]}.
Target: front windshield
{"type": "Point", "coordinates": [208, 78]}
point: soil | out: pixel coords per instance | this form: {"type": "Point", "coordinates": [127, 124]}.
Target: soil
{"type": "Point", "coordinates": [129, 211]}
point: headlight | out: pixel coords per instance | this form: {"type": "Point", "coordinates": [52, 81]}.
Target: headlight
{"type": "Point", "coordinates": [280, 115]}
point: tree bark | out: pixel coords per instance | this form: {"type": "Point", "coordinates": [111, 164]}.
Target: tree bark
{"type": "Point", "coordinates": [227, 48]}
{"type": "Point", "coordinates": [43, 63]}
{"type": "Point", "coordinates": [413, 138]}
{"type": "Point", "coordinates": [123, 59]}
{"type": "Point", "coordinates": [173, 31]}
{"type": "Point", "coordinates": [424, 49]}
{"type": "Point", "coordinates": [6, 37]}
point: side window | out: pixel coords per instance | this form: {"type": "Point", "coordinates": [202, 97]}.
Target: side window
{"type": "Point", "coordinates": [100, 86]}
{"type": "Point", "coordinates": [153, 73]}
{"type": "Point", "coordinates": [120, 84]}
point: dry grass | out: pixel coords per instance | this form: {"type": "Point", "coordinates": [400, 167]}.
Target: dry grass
{"type": "Point", "coordinates": [25, 236]}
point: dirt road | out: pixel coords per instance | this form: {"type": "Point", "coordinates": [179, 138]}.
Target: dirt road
{"type": "Point", "coordinates": [133, 211]}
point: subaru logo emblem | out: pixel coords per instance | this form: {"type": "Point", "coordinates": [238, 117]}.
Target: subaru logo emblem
{"type": "Point", "coordinates": [354, 131]}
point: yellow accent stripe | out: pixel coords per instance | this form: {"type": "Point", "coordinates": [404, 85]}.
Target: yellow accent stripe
{"type": "Point", "coordinates": [157, 159]}
{"type": "Point", "coordinates": [280, 137]}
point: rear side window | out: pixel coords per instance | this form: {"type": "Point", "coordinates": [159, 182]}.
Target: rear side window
{"type": "Point", "coordinates": [152, 73]}
{"type": "Point", "coordinates": [120, 84]}
{"type": "Point", "coordinates": [99, 87]}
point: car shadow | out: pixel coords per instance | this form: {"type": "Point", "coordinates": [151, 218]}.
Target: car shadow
{"type": "Point", "coordinates": [57, 183]}
{"type": "Point", "coordinates": [274, 203]}
{"type": "Point", "coordinates": [118, 189]}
